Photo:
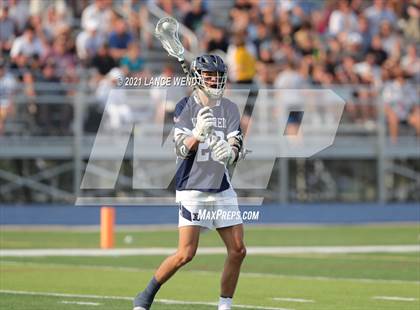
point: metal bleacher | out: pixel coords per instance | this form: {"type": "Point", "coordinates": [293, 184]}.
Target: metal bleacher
{"type": "Point", "coordinates": [52, 164]}
{"type": "Point", "coordinates": [49, 158]}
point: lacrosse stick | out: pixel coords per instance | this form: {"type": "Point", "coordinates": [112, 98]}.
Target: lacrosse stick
{"type": "Point", "coordinates": [166, 32]}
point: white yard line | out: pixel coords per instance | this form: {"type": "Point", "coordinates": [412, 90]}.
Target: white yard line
{"type": "Point", "coordinates": [81, 303]}
{"type": "Point", "coordinates": [214, 250]}
{"type": "Point", "coordinates": [395, 298]}
{"type": "Point", "coordinates": [203, 272]}
{"type": "Point", "coordinates": [164, 301]}
{"type": "Point", "coordinates": [293, 299]}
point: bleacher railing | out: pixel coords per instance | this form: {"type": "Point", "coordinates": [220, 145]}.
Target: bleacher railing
{"type": "Point", "coordinates": [38, 156]}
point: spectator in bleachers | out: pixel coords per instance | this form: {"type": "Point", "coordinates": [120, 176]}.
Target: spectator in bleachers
{"type": "Point", "coordinates": [343, 19]}
{"type": "Point", "coordinates": [377, 50]}
{"type": "Point", "coordinates": [53, 112]}
{"type": "Point", "coordinates": [401, 104]}
{"type": "Point", "coordinates": [137, 17]}
{"type": "Point", "coordinates": [364, 31]}
{"type": "Point", "coordinates": [64, 59]}
{"type": "Point", "coordinates": [89, 41]}
{"type": "Point", "coordinates": [194, 17]}
{"type": "Point", "coordinates": [410, 22]}
{"type": "Point", "coordinates": [391, 41]}
{"type": "Point", "coordinates": [8, 88]}
{"type": "Point", "coordinates": [132, 63]}
{"type": "Point", "coordinates": [119, 39]}
{"type": "Point", "coordinates": [103, 62]}
{"type": "Point", "coordinates": [411, 63]}
{"type": "Point", "coordinates": [165, 99]}
{"type": "Point", "coordinates": [239, 16]}
{"type": "Point", "coordinates": [274, 33]}
{"type": "Point", "coordinates": [378, 13]}
{"type": "Point", "coordinates": [215, 39]}
{"type": "Point", "coordinates": [19, 12]}
{"type": "Point", "coordinates": [28, 44]}
{"type": "Point", "coordinates": [8, 30]}
{"type": "Point", "coordinates": [266, 66]}
{"type": "Point", "coordinates": [262, 35]}
{"type": "Point", "coordinates": [55, 19]}
{"type": "Point", "coordinates": [241, 60]}
{"type": "Point", "coordinates": [99, 12]}
{"type": "Point", "coordinates": [290, 78]}
{"type": "Point", "coordinates": [116, 109]}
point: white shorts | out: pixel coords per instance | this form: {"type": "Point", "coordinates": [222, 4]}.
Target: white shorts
{"type": "Point", "coordinates": [210, 215]}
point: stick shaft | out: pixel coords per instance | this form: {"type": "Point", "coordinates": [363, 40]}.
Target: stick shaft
{"type": "Point", "coordinates": [184, 67]}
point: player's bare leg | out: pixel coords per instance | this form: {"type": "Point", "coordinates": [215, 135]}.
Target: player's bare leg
{"type": "Point", "coordinates": [187, 247]}
{"type": "Point", "coordinates": [233, 238]}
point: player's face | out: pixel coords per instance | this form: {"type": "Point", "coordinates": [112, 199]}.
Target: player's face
{"type": "Point", "coordinates": [211, 78]}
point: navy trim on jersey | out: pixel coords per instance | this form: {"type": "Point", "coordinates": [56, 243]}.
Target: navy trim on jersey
{"type": "Point", "coordinates": [186, 177]}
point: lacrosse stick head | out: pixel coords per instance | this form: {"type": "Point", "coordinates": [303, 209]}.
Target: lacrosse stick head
{"type": "Point", "coordinates": [167, 32]}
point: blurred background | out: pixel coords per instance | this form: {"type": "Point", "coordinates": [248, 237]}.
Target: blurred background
{"type": "Point", "coordinates": [61, 62]}
{"type": "Point", "coordinates": [60, 59]}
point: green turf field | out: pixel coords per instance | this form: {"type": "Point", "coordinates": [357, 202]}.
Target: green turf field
{"type": "Point", "coordinates": [292, 281]}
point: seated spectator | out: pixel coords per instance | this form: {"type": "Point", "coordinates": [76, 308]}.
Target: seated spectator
{"type": "Point", "coordinates": [304, 39]}
{"type": "Point", "coordinates": [343, 19]}
{"type": "Point", "coordinates": [376, 49]}
{"type": "Point", "coordinates": [89, 41]}
{"type": "Point", "coordinates": [195, 16]}
{"type": "Point", "coordinates": [53, 114]}
{"type": "Point", "coordinates": [391, 41]}
{"type": "Point", "coordinates": [411, 63]}
{"type": "Point", "coordinates": [216, 40]}
{"type": "Point", "coordinates": [377, 13]}
{"type": "Point", "coordinates": [164, 99]}
{"type": "Point", "coordinates": [266, 66]}
{"type": "Point", "coordinates": [65, 60]}
{"type": "Point", "coordinates": [241, 60]}
{"type": "Point", "coordinates": [19, 12]}
{"type": "Point", "coordinates": [401, 104]}
{"type": "Point", "coordinates": [364, 31]}
{"type": "Point", "coordinates": [353, 46]}
{"type": "Point", "coordinates": [345, 72]}
{"type": "Point", "coordinates": [119, 39]}
{"type": "Point", "coordinates": [289, 78]}
{"type": "Point", "coordinates": [410, 24]}
{"type": "Point", "coordinates": [8, 29]}
{"type": "Point", "coordinates": [28, 44]}
{"type": "Point", "coordinates": [7, 90]}
{"type": "Point", "coordinates": [132, 63]}
{"type": "Point", "coordinates": [117, 111]}
{"type": "Point", "coordinates": [55, 19]}
{"type": "Point", "coordinates": [99, 12]}
{"type": "Point", "coordinates": [262, 35]}
{"type": "Point", "coordinates": [102, 61]}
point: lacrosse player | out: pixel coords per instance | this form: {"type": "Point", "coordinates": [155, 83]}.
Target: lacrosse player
{"type": "Point", "coordinates": [208, 141]}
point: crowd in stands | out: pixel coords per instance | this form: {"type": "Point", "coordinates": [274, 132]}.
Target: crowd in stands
{"type": "Point", "coordinates": [284, 44]}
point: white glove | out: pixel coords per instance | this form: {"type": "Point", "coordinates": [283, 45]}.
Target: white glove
{"type": "Point", "coordinates": [204, 124]}
{"type": "Point", "coordinates": [222, 151]}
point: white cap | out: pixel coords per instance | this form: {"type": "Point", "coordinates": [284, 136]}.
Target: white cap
{"type": "Point", "coordinates": [354, 38]}
{"type": "Point", "coordinates": [92, 25]}
{"type": "Point", "coordinates": [115, 74]}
